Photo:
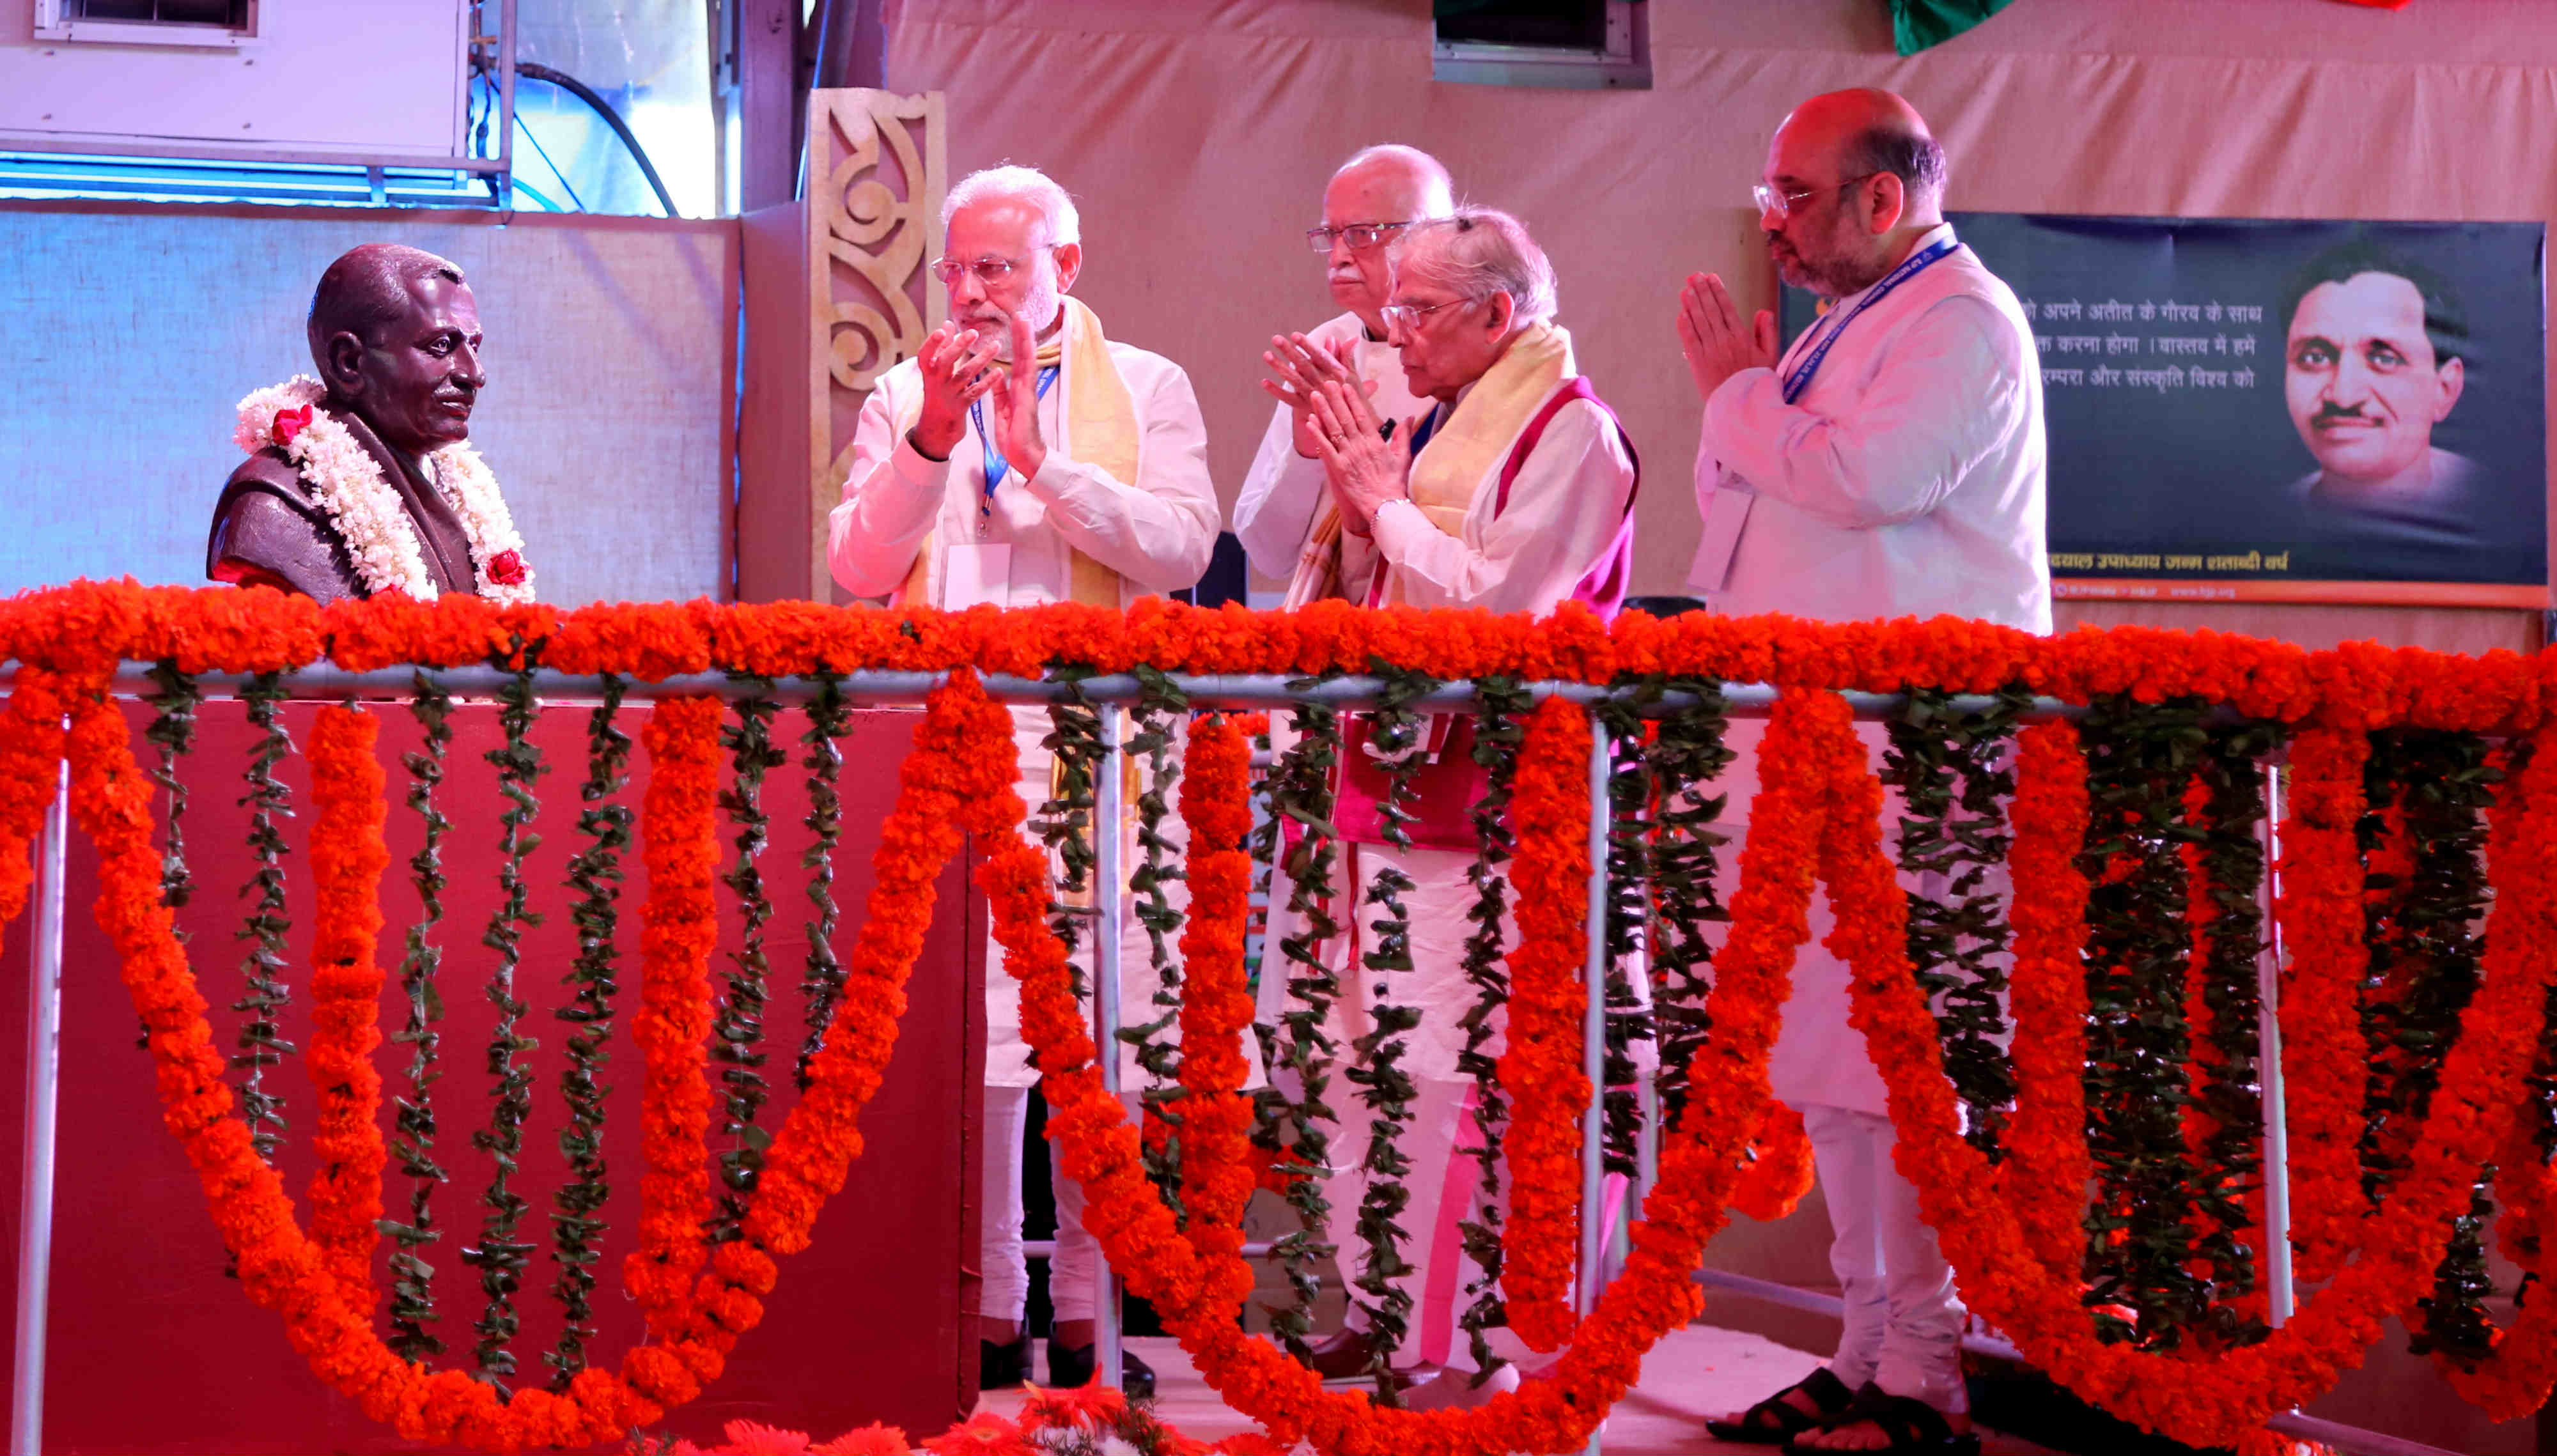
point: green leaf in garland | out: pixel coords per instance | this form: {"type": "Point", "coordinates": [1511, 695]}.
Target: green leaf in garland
{"type": "Point", "coordinates": [264, 993]}
{"type": "Point", "coordinates": [577, 1220]}
{"type": "Point", "coordinates": [413, 1120]}
{"type": "Point", "coordinates": [499, 1255]}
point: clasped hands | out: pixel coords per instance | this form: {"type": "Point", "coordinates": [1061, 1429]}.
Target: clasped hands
{"type": "Point", "coordinates": [959, 368]}
{"type": "Point", "coordinates": [1337, 424]}
{"type": "Point", "coordinates": [1717, 340]}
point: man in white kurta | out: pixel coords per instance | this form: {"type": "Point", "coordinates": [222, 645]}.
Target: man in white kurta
{"type": "Point", "coordinates": [1471, 310]}
{"type": "Point", "coordinates": [1890, 463]}
{"type": "Point", "coordinates": [974, 481]}
{"type": "Point", "coordinates": [1282, 515]}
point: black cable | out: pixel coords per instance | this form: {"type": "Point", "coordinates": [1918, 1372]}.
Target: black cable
{"type": "Point", "coordinates": [579, 89]}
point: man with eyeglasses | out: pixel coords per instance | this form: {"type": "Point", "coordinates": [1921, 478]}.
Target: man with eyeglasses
{"type": "Point", "coordinates": [1511, 490]}
{"type": "Point", "coordinates": [1889, 463]}
{"type": "Point", "coordinates": [1023, 458]}
{"type": "Point", "coordinates": [1288, 529]}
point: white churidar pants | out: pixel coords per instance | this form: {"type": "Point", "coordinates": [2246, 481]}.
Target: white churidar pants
{"type": "Point", "coordinates": [1904, 1321]}
{"type": "Point", "coordinates": [1074, 1274]}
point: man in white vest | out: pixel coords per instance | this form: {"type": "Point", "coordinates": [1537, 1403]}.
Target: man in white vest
{"type": "Point", "coordinates": [1889, 463]}
{"type": "Point", "coordinates": [1288, 527]}
{"type": "Point", "coordinates": [1023, 458]}
{"type": "Point", "coordinates": [1512, 489]}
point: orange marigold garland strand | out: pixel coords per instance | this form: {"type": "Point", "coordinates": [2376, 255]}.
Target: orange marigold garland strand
{"type": "Point", "coordinates": [679, 927]}
{"type": "Point", "coordinates": [2321, 917]}
{"type": "Point", "coordinates": [348, 858]}
{"type": "Point", "coordinates": [2045, 1172]}
{"type": "Point", "coordinates": [1541, 1072]}
{"type": "Point", "coordinates": [31, 752]}
{"type": "Point", "coordinates": [1216, 1004]}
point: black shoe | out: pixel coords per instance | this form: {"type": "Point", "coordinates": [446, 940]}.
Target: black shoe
{"type": "Point", "coordinates": [1070, 1368]}
{"type": "Point", "coordinates": [1003, 1366]}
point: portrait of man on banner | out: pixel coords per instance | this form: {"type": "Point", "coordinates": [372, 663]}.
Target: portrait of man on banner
{"type": "Point", "coordinates": [2375, 356]}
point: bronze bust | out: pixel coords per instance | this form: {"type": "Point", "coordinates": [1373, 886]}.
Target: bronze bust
{"type": "Point", "coordinates": [395, 337]}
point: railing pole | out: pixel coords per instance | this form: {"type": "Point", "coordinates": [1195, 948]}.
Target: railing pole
{"type": "Point", "coordinates": [1109, 896]}
{"type": "Point", "coordinates": [2268, 1055]}
{"type": "Point", "coordinates": [1594, 1039]}
{"type": "Point", "coordinates": [43, 1078]}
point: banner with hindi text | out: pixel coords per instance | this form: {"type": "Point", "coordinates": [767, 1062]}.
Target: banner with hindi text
{"type": "Point", "coordinates": [2304, 411]}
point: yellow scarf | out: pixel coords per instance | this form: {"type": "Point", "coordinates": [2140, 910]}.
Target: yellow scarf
{"type": "Point", "coordinates": [1486, 423]}
{"type": "Point", "coordinates": [1098, 420]}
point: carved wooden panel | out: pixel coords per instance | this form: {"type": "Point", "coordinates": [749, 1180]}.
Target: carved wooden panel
{"type": "Point", "coordinates": [877, 167]}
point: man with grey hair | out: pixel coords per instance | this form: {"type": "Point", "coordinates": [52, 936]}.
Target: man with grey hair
{"type": "Point", "coordinates": [1890, 463]}
{"type": "Point", "coordinates": [1023, 458]}
{"type": "Point", "coordinates": [1288, 529]}
{"type": "Point", "coordinates": [1511, 490]}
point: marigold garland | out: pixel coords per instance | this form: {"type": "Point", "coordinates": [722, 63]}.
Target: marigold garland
{"type": "Point", "coordinates": [1216, 1004]}
{"type": "Point", "coordinates": [2046, 1170]}
{"type": "Point", "coordinates": [1543, 1071]}
{"type": "Point", "coordinates": [1817, 811]}
{"type": "Point", "coordinates": [348, 858]}
{"type": "Point", "coordinates": [2320, 918]}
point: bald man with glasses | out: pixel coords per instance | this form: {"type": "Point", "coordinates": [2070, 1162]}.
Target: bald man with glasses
{"type": "Point", "coordinates": [1290, 526]}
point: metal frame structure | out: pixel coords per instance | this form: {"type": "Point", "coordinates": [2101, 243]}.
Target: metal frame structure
{"type": "Point", "coordinates": [323, 165]}
{"type": "Point", "coordinates": [322, 680]}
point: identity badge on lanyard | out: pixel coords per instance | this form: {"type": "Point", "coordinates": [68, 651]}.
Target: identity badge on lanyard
{"type": "Point", "coordinates": [997, 468]}
{"type": "Point", "coordinates": [1799, 378]}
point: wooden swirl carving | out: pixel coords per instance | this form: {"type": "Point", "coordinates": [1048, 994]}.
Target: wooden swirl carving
{"type": "Point", "coordinates": [877, 168]}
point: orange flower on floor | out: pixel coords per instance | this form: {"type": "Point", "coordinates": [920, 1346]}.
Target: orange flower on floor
{"type": "Point", "coordinates": [1084, 1407]}
{"type": "Point", "coordinates": [873, 1440]}
{"type": "Point", "coordinates": [985, 1434]}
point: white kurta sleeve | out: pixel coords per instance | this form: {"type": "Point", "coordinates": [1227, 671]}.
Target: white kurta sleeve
{"type": "Point", "coordinates": [1159, 529]}
{"type": "Point", "coordinates": [1945, 391]}
{"type": "Point", "coordinates": [891, 495]}
{"type": "Point", "coordinates": [1563, 513]}
{"type": "Point", "coordinates": [1279, 500]}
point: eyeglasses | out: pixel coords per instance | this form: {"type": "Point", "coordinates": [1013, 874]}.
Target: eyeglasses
{"type": "Point", "coordinates": [989, 270]}
{"type": "Point", "coordinates": [1782, 203]}
{"type": "Point", "coordinates": [1407, 317]}
{"type": "Point", "coordinates": [1360, 236]}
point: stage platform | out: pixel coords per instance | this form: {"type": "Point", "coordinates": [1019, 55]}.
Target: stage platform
{"type": "Point", "coordinates": [1697, 1371]}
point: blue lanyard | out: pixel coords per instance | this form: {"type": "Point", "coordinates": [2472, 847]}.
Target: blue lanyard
{"type": "Point", "coordinates": [1799, 378]}
{"type": "Point", "coordinates": [997, 468]}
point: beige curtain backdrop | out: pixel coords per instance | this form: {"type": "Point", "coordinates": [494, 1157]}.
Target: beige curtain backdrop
{"type": "Point", "coordinates": [1196, 135]}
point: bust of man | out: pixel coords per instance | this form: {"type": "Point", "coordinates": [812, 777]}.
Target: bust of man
{"type": "Point", "coordinates": [378, 496]}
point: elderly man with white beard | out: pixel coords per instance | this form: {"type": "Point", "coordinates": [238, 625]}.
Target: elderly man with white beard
{"type": "Point", "coordinates": [1023, 458]}
{"type": "Point", "coordinates": [1511, 490]}
{"type": "Point", "coordinates": [1288, 527]}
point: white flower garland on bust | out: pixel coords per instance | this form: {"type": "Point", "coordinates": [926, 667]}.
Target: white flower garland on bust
{"type": "Point", "coordinates": [366, 511]}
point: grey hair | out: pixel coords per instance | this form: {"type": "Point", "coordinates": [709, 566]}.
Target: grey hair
{"type": "Point", "coordinates": [1023, 184]}
{"type": "Point", "coordinates": [1438, 189]}
{"type": "Point", "coordinates": [1915, 159]}
{"type": "Point", "coordinates": [1476, 252]}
